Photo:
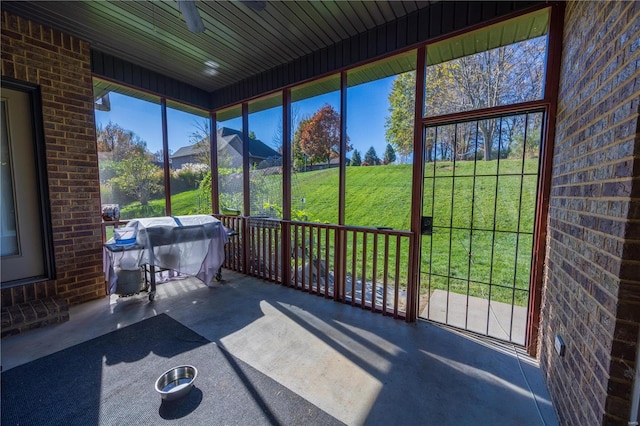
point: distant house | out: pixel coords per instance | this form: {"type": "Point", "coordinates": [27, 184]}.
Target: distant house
{"type": "Point", "coordinates": [184, 155]}
{"type": "Point", "coordinates": [229, 151]}
{"type": "Point", "coordinates": [334, 162]}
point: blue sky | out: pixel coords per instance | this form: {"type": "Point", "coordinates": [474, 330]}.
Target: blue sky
{"type": "Point", "coordinates": [367, 109]}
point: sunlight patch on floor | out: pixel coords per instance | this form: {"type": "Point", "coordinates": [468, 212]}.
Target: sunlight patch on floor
{"type": "Point", "coordinates": [320, 364]}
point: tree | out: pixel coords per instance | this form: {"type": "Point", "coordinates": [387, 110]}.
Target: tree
{"type": "Point", "coordinates": [389, 155]}
{"type": "Point", "coordinates": [139, 177]}
{"type": "Point", "coordinates": [371, 158]}
{"type": "Point", "coordinates": [116, 146]}
{"type": "Point", "coordinates": [355, 158]}
{"type": "Point", "coordinates": [505, 75]}
{"type": "Point", "coordinates": [158, 156]}
{"type": "Point", "coordinates": [299, 158]}
{"type": "Point", "coordinates": [119, 142]}
{"type": "Point", "coordinates": [277, 141]}
{"type": "Point", "coordinates": [399, 124]}
{"type": "Point", "coordinates": [320, 135]}
{"type": "Point", "coordinates": [200, 138]}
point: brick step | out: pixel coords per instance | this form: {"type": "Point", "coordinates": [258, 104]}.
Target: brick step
{"type": "Point", "coordinates": [35, 314]}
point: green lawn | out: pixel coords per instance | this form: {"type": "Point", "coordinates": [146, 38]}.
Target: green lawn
{"type": "Point", "coordinates": [453, 257]}
{"type": "Point", "coordinates": [183, 203]}
{"type": "Point", "coordinates": [481, 262]}
{"type": "Point", "coordinates": [375, 196]}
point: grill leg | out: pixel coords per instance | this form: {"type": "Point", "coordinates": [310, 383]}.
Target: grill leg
{"type": "Point", "coordinates": [152, 292]}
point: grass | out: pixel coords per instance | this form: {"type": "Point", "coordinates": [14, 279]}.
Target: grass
{"type": "Point", "coordinates": [482, 263]}
{"type": "Point", "coordinates": [375, 196]}
{"type": "Point", "coordinates": [463, 254]}
{"type": "Point", "coordinates": [183, 203]}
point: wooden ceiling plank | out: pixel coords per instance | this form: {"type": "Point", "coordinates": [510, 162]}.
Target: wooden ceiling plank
{"type": "Point", "coordinates": [386, 10]}
{"type": "Point", "coordinates": [328, 20]}
{"type": "Point", "coordinates": [242, 41]}
{"type": "Point", "coordinates": [357, 19]}
{"type": "Point", "coordinates": [316, 19]}
{"type": "Point", "coordinates": [268, 35]}
{"type": "Point", "coordinates": [374, 12]}
{"type": "Point", "coordinates": [398, 8]}
{"type": "Point", "coordinates": [291, 30]}
{"type": "Point", "coordinates": [335, 14]}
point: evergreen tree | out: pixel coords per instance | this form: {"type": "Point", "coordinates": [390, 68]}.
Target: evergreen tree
{"type": "Point", "coordinates": [371, 158]}
{"type": "Point", "coordinates": [355, 158]}
{"type": "Point", "coordinates": [389, 155]}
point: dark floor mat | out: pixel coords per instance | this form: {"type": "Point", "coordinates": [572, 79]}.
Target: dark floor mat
{"type": "Point", "coordinates": [110, 380]}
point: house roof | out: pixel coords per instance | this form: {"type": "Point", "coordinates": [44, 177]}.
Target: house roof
{"type": "Point", "coordinates": [185, 151]}
{"type": "Point", "coordinates": [257, 148]}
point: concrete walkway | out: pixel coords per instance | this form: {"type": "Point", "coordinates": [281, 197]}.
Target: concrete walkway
{"type": "Point", "coordinates": [359, 367]}
{"type": "Point", "coordinates": [474, 313]}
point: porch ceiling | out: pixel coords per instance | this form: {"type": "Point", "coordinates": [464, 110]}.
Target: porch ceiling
{"type": "Point", "coordinates": [239, 41]}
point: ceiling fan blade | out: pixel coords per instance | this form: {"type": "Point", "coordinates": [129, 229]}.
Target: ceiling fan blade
{"type": "Point", "coordinates": [191, 15]}
{"type": "Point", "coordinates": [255, 5]}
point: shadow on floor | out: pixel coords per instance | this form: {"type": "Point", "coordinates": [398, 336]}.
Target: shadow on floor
{"type": "Point", "coordinates": [359, 367]}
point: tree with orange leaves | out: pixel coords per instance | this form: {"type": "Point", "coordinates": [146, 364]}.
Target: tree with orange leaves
{"type": "Point", "coordinates": [320, 135]}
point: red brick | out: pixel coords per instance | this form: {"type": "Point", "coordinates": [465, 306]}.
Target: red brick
{"type": "Point", "coordinates": [592, 258]}
{"type": "Point", "coordinates": [60, 64]}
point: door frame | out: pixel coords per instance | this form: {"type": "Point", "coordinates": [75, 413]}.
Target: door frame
{"type": "Point", "coordinates": [549, 105]}
{"type": "Point", "coordinates": [42, 187]}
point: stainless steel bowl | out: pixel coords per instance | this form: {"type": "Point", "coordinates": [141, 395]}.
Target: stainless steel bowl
{"type": "Point", "coordinates": [177, 382]}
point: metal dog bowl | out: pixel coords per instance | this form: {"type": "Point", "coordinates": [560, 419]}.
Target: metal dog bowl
{"type": "Point", "coordinates": [177, 382]}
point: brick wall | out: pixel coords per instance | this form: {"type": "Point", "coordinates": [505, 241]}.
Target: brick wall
{"type": "Point", "coordinates": [60, 64]}
{"type": "Point", "coordinates": [592, 287]}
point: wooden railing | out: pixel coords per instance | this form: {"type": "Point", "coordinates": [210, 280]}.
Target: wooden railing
{"type": "Point", "coordinates": [365, 267]}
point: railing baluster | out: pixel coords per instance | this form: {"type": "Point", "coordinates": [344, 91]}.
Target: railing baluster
{"type": "Point", "coordinates": [237, 248]}
{"type": "Point", "coordinates": [353, 268]}
{"type": "Point", "coordinates": [252, 250]}
{"type": "Point", "coordinates": [386, 274]}
{"type": "Point", "coordinates": [268, 243]}
{"type": "Point", "coordinates": [310, 259]}
{"type": "Point", "coordinates": [397, 287]}
{"type": "Point", "coordinates": [339, 265]}
{"type": "Point", "coordinates": [303, 230]}
{"type": "Point", "coordinates": [374, 271]}
{"type": "Point", "coordinates": [265, 259]}
{"type": "Point", "coordinates": [240, 246]}
{"type": "Point", "coordinates": [326, 262]}
{"type": "Point", "coordinates": [318, 259]}
{"type": "Point", "coordinates": [276, 254]}
{"type": "Point", "coordinates": [295, 255]}
{"type": "Point", "coordinates": [363, 284]}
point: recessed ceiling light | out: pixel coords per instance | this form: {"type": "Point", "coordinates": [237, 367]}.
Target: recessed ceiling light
{"type": "Point", "coordinates": [211, 68]}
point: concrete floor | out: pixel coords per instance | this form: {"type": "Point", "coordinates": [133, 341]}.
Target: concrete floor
{"type": "Point", "coordinates": [359, 367]}
{"type": "Point", "coordinates": [500, 320]}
